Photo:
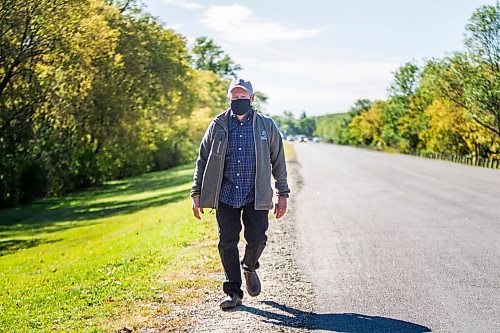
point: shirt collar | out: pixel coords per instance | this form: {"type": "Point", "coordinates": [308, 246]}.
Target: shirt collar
{"type": "Point", "coordinates": [248, 116]}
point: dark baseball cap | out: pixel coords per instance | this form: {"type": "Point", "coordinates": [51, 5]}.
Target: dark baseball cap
{"type": "Point", "coordinates": [240, 83]}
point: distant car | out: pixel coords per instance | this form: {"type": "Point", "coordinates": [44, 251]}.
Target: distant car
{"type": "Point", "coordinates": [316, 139]}
{"type": "Point", "coordinates": [290, 138]}
{"type": "Point", "coordinates": [303, 139]}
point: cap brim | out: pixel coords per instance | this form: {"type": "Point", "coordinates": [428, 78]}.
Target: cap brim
{"type": "Point", "coordinates": [242, 87]}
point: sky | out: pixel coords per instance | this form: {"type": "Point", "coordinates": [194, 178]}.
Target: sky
{"type": "Point", "coordinates": [321, 56]}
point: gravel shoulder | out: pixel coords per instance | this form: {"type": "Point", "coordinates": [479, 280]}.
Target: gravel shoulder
{"type": "Point", "coordinates": [286, 299]}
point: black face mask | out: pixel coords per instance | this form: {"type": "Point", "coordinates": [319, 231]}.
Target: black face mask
{"type": "Point", "coordinates": [240, 106]}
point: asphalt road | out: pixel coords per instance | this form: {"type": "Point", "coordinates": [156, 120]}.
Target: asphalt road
{"type": "Point", "coordinates": [396, 243]}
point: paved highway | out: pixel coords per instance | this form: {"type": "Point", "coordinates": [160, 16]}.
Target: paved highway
{"type": "Point", "coordinates": [396, 243]}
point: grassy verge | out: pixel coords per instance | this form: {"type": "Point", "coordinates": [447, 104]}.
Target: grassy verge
{"type": "Point", "coordinates": [104, 258]}
{"type": "Point", "coordinates": [290, 154]}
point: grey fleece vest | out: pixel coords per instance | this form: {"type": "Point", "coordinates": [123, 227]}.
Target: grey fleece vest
{"type": "Point", "coordinates": [269, 156]}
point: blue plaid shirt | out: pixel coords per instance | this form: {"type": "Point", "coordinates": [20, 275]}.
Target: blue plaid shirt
{"type": "Point", "coordinates": [238, 182]}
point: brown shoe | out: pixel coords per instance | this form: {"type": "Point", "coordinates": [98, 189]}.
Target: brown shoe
{"type": "Point", "coordinates": [253, 283]}
{"type": "Point", "coordinates": [230, 302]}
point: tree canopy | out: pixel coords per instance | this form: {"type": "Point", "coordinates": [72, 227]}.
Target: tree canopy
{"type": "Point", "coordinates": [92, 90]}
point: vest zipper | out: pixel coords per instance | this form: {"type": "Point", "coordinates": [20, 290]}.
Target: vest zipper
{"type": "Point", "coordinates": [221, 170]}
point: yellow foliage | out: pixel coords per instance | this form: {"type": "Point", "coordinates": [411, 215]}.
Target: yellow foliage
{"type": "Point", "coordinates": [452, 130]}
{"type": "Point", "coordinates": [210, 100]}
{"type": "Point", "coordinates": [365, 127]}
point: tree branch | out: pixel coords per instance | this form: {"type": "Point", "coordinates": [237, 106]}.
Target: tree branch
{"type": "Point", "coordinates": [497, 132]}
{"type": "Point", "coordinates": [125, 6]}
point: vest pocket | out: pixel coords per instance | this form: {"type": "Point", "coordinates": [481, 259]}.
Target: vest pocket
{"type": "Point", "coordinates": [218, 143]}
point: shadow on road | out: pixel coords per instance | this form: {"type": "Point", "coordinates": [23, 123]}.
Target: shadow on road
{"type": "Point", "coordinates": [336, 322]}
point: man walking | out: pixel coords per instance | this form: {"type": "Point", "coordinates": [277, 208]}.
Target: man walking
{"type": "Point", "coordinates": [239, 152]}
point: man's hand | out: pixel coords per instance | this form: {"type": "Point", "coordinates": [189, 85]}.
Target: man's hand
{"type": "Point", "coordinates": [280, 207]}
{"type": "Point", "coordinates": [196, 207]}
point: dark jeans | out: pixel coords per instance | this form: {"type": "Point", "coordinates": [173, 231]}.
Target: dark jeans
{"type": "Point", "coordinates": [229, 223]}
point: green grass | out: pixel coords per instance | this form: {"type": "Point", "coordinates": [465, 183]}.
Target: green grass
{"type": "Point", "coordinates": [104, 258]}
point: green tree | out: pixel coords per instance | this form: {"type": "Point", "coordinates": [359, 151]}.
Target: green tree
{"type": "Point", "coordinates": [415, 120]}
{"type": "Point", "coordinates": [360, 106]}
{"type": "Point", "coordinates": [333, 127]}
{"type": "Point", "coordinates": [404, 84]}
{"type": "Point", "coordinates": [306, 125]}
{"type": "Point", "coordinates": [340, 133]}
{"type": "Point", "coordinates": [287, 123]}
{"type": "Point", "coordinates": [208, 56]}
{"type": "Point", "coordinates": [47, 49]}
{"type": "Point", "coordinates": [472, 79]}
{"type": "Point", "coordinates": [94, 90]}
